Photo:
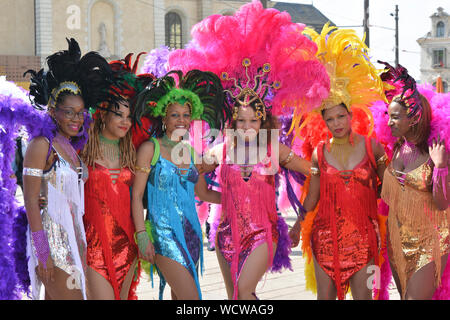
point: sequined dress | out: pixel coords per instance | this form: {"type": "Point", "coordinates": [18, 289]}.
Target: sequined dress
{"type": "Point", "coordinates": [249, 216]}
{"type": "Point", "coordinates": [344, 235]}
{"type": "Point", "coordinates": [175, 227]}
{"type": "Point", "coordinates": [418, 230]}
{"type": "Point", "coordinates": [111, 249]}
{"type": "Point", "coordinates": [62, 219]}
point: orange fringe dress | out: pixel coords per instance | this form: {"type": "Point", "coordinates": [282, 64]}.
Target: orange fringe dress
{"type": "Point", "coordinates": [345, 233]}
{"type": "Point", "coordinates": [418, 231]}
{"type": "Point", "coordinates": [111, 249]}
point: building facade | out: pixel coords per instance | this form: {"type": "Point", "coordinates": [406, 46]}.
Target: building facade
{"type": "Point", "coordinates": [34, 29]}
{"type": "Point", "coordinates": [435, 50]}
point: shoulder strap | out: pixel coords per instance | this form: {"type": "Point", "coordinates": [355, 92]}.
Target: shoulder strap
{"type": "Point", "coordinates": [370, 152]}
{"type": "Point", "coordinates": [156, 152]}
{"type": "Point", "coordinates": [320, 152]}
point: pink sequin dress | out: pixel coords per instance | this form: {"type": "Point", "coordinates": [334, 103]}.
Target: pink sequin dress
{"type": "Point", "coordinates": [249, 216]}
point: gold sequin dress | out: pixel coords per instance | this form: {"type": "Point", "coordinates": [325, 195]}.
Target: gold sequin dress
{"type": "Point", "coordinates": [418, 230]}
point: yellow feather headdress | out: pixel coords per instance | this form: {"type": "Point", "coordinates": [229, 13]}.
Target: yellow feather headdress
{"type": "Point", "coordinates": [354, 80]}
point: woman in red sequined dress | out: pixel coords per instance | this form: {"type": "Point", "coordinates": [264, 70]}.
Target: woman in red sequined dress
{"type": "Point", "coordinates": [112, 253]}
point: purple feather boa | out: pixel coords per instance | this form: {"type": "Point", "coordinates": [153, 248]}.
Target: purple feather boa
{"type": "Point", "coordinates": [16, 111]}
{"type": "Point", "coordinates": [281, 259]}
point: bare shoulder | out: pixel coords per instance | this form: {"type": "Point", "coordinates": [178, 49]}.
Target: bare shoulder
{"type": "Point", "coordinates": [377, 148]}
{"type": "Point", "coordinates": [36, 154]}
{"type": "Point", "coordinates": [146, 149]}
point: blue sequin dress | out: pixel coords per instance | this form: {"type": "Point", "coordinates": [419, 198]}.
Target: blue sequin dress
{"type": "Point", "coordinates": [175, 227]}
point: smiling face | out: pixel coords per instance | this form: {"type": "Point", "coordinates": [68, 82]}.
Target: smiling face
{"type": "Point", "coordinates": [398, 122]}
{"type": "Point", "coordinates": [178, 117]}
{"type": "Point", "coordinates": [248, 122]}
{"type": "Point", "coordinates": [338, 121]}
{"type": "Point", "coordinates": [69, 114]}
{"type": "Point", "coordinates": [118, 123]}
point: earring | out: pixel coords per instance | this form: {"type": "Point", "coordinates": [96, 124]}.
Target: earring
{"type": "Point", "coordinates": [328, 142]}
{"type": "Point", "coordinates": [350, 138]}
{"type": "Point", "coordinates": [164, 127]}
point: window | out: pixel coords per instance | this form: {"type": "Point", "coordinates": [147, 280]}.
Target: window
{"type": "Point", "coordinates": [440, 29]}
{"type": "Point", "coordinates": [438, 58]}
{"type": "Point", "coordinates": [174, 37]}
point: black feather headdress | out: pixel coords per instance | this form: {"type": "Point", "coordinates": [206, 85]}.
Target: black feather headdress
{"type": "Point", "coordinates": [202, 90]}
{"type": "Point", "coordinates": [89, 76]}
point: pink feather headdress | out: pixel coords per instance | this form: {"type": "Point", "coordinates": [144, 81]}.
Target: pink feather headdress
{"type": "Point", "coordinates": [259, 54]}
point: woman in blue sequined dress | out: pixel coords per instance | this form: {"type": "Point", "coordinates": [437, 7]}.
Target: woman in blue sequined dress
{"type": "Point", "coordinates": [171, 236]}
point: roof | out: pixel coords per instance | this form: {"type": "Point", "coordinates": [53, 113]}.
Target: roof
{"type": "Point", "coordinates": [303, 13]}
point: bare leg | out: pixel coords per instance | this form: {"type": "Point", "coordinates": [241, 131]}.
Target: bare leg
{"type": "Point", "coordinates": [326, 290]}
{"type": "Point", "coordinates": [99, 288]}
{"type": "Point", "coordinates": [253, 270]}
{"type": "Point", "coordinates": [127, 282]}
{"type": "Point", "coordinates": [58, 289]}
{"type": "Point", "coordinates": [396, 278]}
{"type": "Point", "coordinates": [226, 273]}
{"type": "Point", "coordinates": [421, 285]}
{"type": "Point", "coordinates": [178, 277]}
{"type": "Point", "coordinates": [361, 289]}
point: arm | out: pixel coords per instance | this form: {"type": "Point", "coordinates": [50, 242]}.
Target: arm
{"type": "Point", "coordinates": [380, 158]}
{"type": "Point", "coordinates": [311, 199]}
{"type": "Point", "coordinates": [143, 160]}
{"type": "Point", "coordinates": [204, 194]}
{"type": "Point", "coordinates": [290, 161]}
{"type": "Point", "coordinates": [439, 155]}
{"type": "Point", "coordinates": [36, 160]}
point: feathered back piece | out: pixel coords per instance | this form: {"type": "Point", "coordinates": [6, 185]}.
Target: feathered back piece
{"type": "Point", "coordinates": [127, 83]}
{"type": "Point", "coordinates": [156, 62]}
{"type": "Point", "coordinates": [354, 79]}
{"type": "Point", "coordinates": [89, 76]}
{"type": "Point", "coordinates": [201, 91]}
{"type": "Point", "coordinates": [260, 55]}
{"type": "Point", "coordinates": [402, 85]}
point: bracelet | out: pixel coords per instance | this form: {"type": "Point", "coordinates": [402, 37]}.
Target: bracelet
{"type": "Point", "coordinates": [144, 169]}
{"type": "Point", "coordinates": [315, 171]}
{"type": "Point", "coordinates": [440, 174]}
{"type": "Point", "coordinates": [32, 172]}
{"type": "Point", "coordinates": [288, 159]}
{"type": "Point", "coordinates": [382, 160]}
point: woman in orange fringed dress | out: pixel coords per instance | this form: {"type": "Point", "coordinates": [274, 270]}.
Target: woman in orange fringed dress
{"type": "Point", "coordinates": [343, 233]}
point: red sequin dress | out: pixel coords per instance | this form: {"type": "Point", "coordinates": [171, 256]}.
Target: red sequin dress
{"type": "Point", "coordinates": [344, 235]}
{"type": "Point", "coordinates": [111, 249]}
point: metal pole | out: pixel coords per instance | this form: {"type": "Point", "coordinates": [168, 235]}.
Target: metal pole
{"type": "Point", "coordinates": [396, 36]}
{"type": "Point", "coordinates": [366, 22]}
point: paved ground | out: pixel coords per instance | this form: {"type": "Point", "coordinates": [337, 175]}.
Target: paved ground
{"type": "Point", "coordinates": [288, 285]}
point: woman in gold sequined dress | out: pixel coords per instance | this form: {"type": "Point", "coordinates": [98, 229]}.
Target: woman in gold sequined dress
{"type": "Point", "coordinates": [415, 187]}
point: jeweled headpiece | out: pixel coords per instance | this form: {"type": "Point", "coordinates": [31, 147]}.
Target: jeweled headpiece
{"type": "Point", "coordinates": [247, 95]}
